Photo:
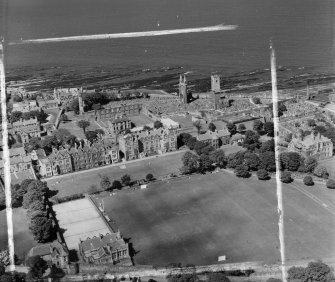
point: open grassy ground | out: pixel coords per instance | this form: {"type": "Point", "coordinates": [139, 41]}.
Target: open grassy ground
{"type": "Point", "coordinates": [140, 120]}
{"type": "Point", "coordinates": [81, 182]}
{"type": "Point", "coordinates": [23, 240]}
{"type": "Point", "coordinates": [72, 127]}
{"type": "Point", "coordinates": [198, 219]}
{"type": "Point", "coordinates": [84, 221]}
{"type": "Point", "coordinates": [329, 164]}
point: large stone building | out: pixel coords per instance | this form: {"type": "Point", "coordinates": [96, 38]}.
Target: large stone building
{"type": "Point", "coordinates": [119, 124]}
{"type": "Point", "coordinates": [109, 248]}
{"type": "Point", "coordinates": [26, 106]}
{"type": "Point", "coordinates": [216, 138]}
{"type": "Point", "coordinates": [58, 162]}
{"type": "Point", "coordinates": [47, 104]}
{"type": "Point", "coordinates": [313, 145]}
{"type": "Point", "coordinates": [148, 142]}
{"type": "Point", "coordinates": [65, 96]}
{"type": "Point", "coordinates": [76, 158]}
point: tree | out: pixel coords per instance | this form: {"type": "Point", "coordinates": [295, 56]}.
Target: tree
{"type": "Point", "coordinates": [126, 180]}
{"type": "Point", "coordinates": [319, 271]}
{"type": "Point", "coordinates": [202, 148]}
{"type": "Point", "coordinates": [242, 171]}
{"type": "Point", "coordinates": [105, 183]}
{"type": "Point", "coordinates": [149, 177]}
{"type": "Point", "coordinates": [2, 201]}
{"type": "Point", "coordinates": [83, 124]}
{"type": "Point", "coordinates": [269, 128]}
{"type": "Point", "coordinates": [262, 174]}
{"type": "Point", "coordinates": [308, 180]}
{"type": "Point", "coordinates": [17, 99]}
{"type": "Point", "coordinates": [91, 135]}
{"type": "Point", "coordinates": [256, 100]}
{"type": "Point", "coordinates": [4, 257]}
{"type": "Point", "coordinates": [25, 184]}
{"type": "Point", "coordinates": [37, 266]}
{"type": "Point", "coordinates": [74, 106]}
{"type": "Point", "coordinates": [158, 124]}
{"type": "Point", "coordinates": [42, 229]}
{"type": "Point", "coordinates": [191, 143]}
{"type": "Point", "coordinates": [33, 144]}
{"type": "Point", "coordinates": [268, 146]}
{"type": "Point", "coordinates": [191, 162]}
{"type": "Point", "coordinates": [182, 139]}
{"type": "Point", "coordinates": [267, 161]}
{"type": "Point", "coordinates": [217, 277]}
{"type": "Point", "coordinates": [231, 128]}
{"type": "Point", "coordinates": [15, 116]}
{"type": "Point", "coordinates": [290, 161]}
{"type": "Point", "coordinates": [310, 164]}
{"type": "Point", "coordinates": [100, 131]}
{"type": "Point", "coordinates": [251, 140]}
{"type": "Point", "coordinates": [47, 143]}
{"type": "Point", "coordinates": [251, 160]}
{"type": "Point", "coordinates": [63, 118]}
{"type": "Point", "coordinates": [321, 171]}
{"type": "Point", "coordinates": [218, 157]}
{"type": "Point", "coordinates": [197, 125]}
{"type": "Point", "coordinates": [236, 159]}
{"type": "Point", "coordinates": [241, 127]}
{"type": "Point", "coordinates": [285, 177]}
{"type": "Point", "coordinates": [17, 195]}
{"type": "Point", "coordinates": [258, 125]}
{"type": "Point", "coordinates": [2, 269]}
{"type": "Point", "coordinates": [148, 128]}
{"type": "Point", "coordinates": [32, 196]}
{"type": "Point", "coordinates": [311, 122]}
{"type": "Point", "coordinates": [205, 163]}
{"type": "Point", "coordinates": [330, 184]}
{"type": "Point", "coordinates": [212, 127]}
{"type": "Point", "coordinates": [116, 185]}
{"type": "Point", "coordinates": [182, 277]}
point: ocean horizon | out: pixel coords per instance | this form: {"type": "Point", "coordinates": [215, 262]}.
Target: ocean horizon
{"type": "Point", "coordinates": [302, 31]}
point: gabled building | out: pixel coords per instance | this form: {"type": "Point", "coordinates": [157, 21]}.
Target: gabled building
{"type": "Point", "coordinates": [53, 253]}
{"type": "Point", "coordinates": [25, 106]}
{"type": "Point", "coordinates": [313, 145]}
{"type": "Point", "coordinates": [216, 139]}
{"type": "Point", "coordinates": [109, 248]}
{"type": "Point", "coordinates": [237, 139]}
{"type": "Point", "coordinates": [119, 124]}
{"type": "Point", "coordinates": [58, 162]}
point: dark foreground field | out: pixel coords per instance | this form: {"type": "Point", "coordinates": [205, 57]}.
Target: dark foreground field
{"type": "Point", "coordinates": [196, 220]}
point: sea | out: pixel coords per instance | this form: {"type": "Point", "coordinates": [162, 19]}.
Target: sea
{"type": "Point", "coordinates": [302, 31]}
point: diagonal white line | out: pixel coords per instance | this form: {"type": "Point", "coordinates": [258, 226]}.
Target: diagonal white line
{"type": "Point", "coordinates": [219, 27]}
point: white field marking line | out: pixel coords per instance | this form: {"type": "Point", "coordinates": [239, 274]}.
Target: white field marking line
{"type": "Point", "coordinates": [278, 182]}
{"type": "Point", "coordinates": [6, 161]}
{"type": "Point", "coordinates": [314, 198]}
{"type": "Point", "coordinates": [219, 27]}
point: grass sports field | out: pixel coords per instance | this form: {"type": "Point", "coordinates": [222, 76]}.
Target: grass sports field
{"type": "Point", "coordinates": [81, 182]}
{"type": "Point", "coordinates": [198, 219]}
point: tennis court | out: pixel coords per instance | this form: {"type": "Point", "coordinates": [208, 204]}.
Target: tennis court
{"type": "Point", "coordinates": [79, 219]}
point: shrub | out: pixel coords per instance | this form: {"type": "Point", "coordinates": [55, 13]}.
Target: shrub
{"type": "Point", "coordinates": [242, 171]}
{"type": "Point", "coordinates": [105, 183]}
{"type": "Point", "coordinates": [330, 184]}
{"type": "Point", "coordinates": [149, 177]}
{"type": "Point", "coordinates": [321, 171]}
{"type": "Point", "coordinates": [308, 180]}
{"type": "Point", "coordinates": [217, 277]}
{"type": "Point", "coordinates": [262, 174]}
{"type": "Point", "coordinates": [116, 185]}
{"type": "Point", "coordinates": [126, 180]}
{"type": "Point", "coordinates": [286, 177]}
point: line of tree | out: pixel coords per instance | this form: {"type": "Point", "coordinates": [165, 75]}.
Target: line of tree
{"type": "Point", "coordinates": [106, 184]}
{"type": "Point", "coordinates": [39, 211]}
{"type": "Point", "coordinates": [17, 115]}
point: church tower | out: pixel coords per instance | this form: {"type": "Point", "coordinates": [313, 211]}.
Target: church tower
{"type": "Point", "coordinates": [215, 83]}
{"type": "Point", "coordinates": [183, 88]}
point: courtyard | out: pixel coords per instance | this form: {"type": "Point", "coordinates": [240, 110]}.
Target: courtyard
{"type": "Point", "coordinates": [195, 220]}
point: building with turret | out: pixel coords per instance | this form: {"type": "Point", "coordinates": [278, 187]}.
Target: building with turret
{"type": "Point", "coordinates": [313, 145]}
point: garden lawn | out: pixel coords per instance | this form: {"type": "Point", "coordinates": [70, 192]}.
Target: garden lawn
{"type": "Point", "coordinates": [195, 220]}
{"type": "Point", "coordinates": [23, 239]}
{"type": "Point", "coordinates": [80, 183]}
